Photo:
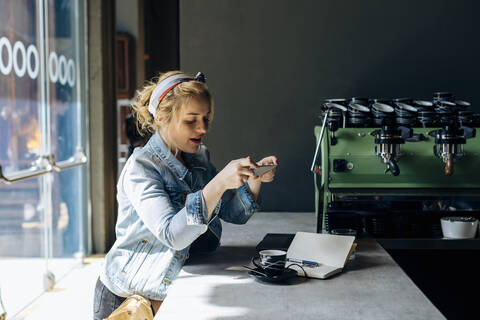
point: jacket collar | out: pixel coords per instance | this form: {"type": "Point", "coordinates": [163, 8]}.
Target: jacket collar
{"type": "Point", "coordinates": [161, 150]}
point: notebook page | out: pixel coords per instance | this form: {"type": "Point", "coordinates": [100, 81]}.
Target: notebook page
{"type": "Point", "coordinates": [323, 271]}
{"type": "Point", "coordinates": [327, 249]}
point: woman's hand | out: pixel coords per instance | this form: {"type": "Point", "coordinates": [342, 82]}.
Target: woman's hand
{"type": "Point", "coordinates": [233, 176]}
{"type": "Point", "coordinates": [269, 175]}
{"type": "Point", "coordinates": [236, 173]}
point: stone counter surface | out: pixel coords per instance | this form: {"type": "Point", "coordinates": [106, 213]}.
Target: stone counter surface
{"type": "Point", "coordinates": [213, 286]}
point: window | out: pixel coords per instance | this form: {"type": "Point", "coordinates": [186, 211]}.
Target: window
{"type": "Point", "coordinates": [42, 145]}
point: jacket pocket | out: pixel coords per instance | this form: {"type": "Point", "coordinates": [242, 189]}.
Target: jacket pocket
{"type": "Point", "coordinates": [137, 273]}
{"type": "Point", "coordinates": [134, 256]}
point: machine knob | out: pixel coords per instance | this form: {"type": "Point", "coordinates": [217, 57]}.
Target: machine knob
{"type": "Point", "coordinates": [468, 132]}
{"type": "Point", "coordinates": [340, 165]}
{"type": "Point", "coordinates": [405, 132]}
{"type": "Point", "coordinates": [416, 138]}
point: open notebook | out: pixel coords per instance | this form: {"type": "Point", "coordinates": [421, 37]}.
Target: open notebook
{"type": "Point", "coordinates": [330, 252]}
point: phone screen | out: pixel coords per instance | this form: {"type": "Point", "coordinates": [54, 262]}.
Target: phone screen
{"type": "Point", "coordinates": [262, 169]}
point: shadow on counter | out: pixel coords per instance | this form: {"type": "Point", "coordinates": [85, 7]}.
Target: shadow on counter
{"type": "Point", "coordinates": [446, 277]}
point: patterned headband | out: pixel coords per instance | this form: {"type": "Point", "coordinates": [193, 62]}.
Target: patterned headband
{"type": "Point", "coordinates": [168, 84]}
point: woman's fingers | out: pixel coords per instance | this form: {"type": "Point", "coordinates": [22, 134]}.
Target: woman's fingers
{"type": "Point", "coordinates": [247, 162]}
{"type": "Point", "coordinates": [245, 171]}
{"type": "Point", "coordinates": [269, 176]}
{"type": "Point", "coordinates": [240, 171]}
{"type": "Point", "coordinates": [244, 178]}
{"type": "Point", "coordinates": [268, 160]}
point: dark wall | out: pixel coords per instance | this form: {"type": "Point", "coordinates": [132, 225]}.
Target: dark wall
{"type": "Point", "coordinates": [270, 64]}
{"type": "Point", "coordinates": [161, 36]}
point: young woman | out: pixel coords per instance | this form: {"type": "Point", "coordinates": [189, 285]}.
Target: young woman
{"type": "Point", "coordinates": [170, 197]}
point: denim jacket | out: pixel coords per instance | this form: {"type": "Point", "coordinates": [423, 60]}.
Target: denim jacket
{"type": "Point", "coordinates": [161, 211]}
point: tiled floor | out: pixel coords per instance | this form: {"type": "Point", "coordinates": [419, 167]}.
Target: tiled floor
{"type": "Point", "coordinates": [72, 297]}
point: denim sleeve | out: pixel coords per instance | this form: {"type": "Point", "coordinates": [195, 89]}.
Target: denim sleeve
{"type": "Point", "coordinates": [176, 229]}
{"type": "Point", "coordinates": [238, 205]}
{"type": "Point", "coordinates": [197, 209]}
{"type": "Point", "coordinates": [235, 206]}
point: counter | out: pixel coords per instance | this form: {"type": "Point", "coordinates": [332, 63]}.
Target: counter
{"type": "Point", "coordinates": [213, 286]}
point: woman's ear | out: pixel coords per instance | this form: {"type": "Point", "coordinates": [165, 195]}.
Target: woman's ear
{"type": "Point", "coordinates": [159, 120]}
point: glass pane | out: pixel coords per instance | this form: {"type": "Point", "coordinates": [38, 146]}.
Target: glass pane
{"type": "Point", "coordinates": [67, 214]}
{"type": "Point", "coordinates": [22, 243]}
{"type": "Point", "coordinates": [65, 87]}
{"type": "Point", "coordinates": [40, 114]}
{"type": "Point", "coordinates": [22, 228]}
{"type": "Point", "coordinates": [20, 107]}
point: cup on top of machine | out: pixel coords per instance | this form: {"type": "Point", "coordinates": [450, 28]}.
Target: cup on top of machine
{"type": "Point", "coordinates": [459, 227]}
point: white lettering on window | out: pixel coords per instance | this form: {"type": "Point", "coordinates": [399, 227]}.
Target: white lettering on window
{"type": "Point", "coordinates": [23, 61]}
{"type": "Point", "coordinates": [5, 69]}
{"type": "Point", "coordinates": [53, 67]}
{"type": "Point", "coordinates": [31, 50]}
{"type": "Point", "coordinates": [19, 71]}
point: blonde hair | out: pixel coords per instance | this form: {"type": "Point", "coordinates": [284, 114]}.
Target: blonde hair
{"type": "Point", "coordinates": [169, 107]}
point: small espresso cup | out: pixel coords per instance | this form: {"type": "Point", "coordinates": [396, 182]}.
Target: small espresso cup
{"type": "Point", "coordinates": [271, 262]}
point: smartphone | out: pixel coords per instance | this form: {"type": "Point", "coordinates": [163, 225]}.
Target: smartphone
{"type": "Point", "coordinates": [262, 169]}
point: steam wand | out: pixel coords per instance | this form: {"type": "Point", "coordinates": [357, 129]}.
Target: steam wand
{"type": "Point", "coordinates": [322, 131]}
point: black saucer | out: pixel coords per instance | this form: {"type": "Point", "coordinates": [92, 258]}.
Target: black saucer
{"type": "Point", "coordinates": [287, 274]}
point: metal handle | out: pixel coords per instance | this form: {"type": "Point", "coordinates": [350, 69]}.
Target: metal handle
{"type": "Point", "coordinates": [449, 166]}
{"type": "Point", "coordinates": [23, 174]}
{"type": "Point", "coordinates": [78, 159]}
{"type": "Point", "coordinates": [393, 167]}
{"type": "Point", "coordinates": [43, 165]}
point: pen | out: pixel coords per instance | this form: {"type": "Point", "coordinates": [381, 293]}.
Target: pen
{"type": "Point", "coordinates": [304, 262]}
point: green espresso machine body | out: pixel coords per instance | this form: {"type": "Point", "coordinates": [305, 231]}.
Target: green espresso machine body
{"type": "Point", "coordinates": [350, 173]}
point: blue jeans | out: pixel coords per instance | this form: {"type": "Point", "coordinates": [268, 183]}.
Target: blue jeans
{"type": "Point", "coordinates": [104, 301]}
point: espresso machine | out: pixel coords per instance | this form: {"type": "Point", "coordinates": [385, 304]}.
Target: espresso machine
{"type": "Point", "coordinates": [393, 167]}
